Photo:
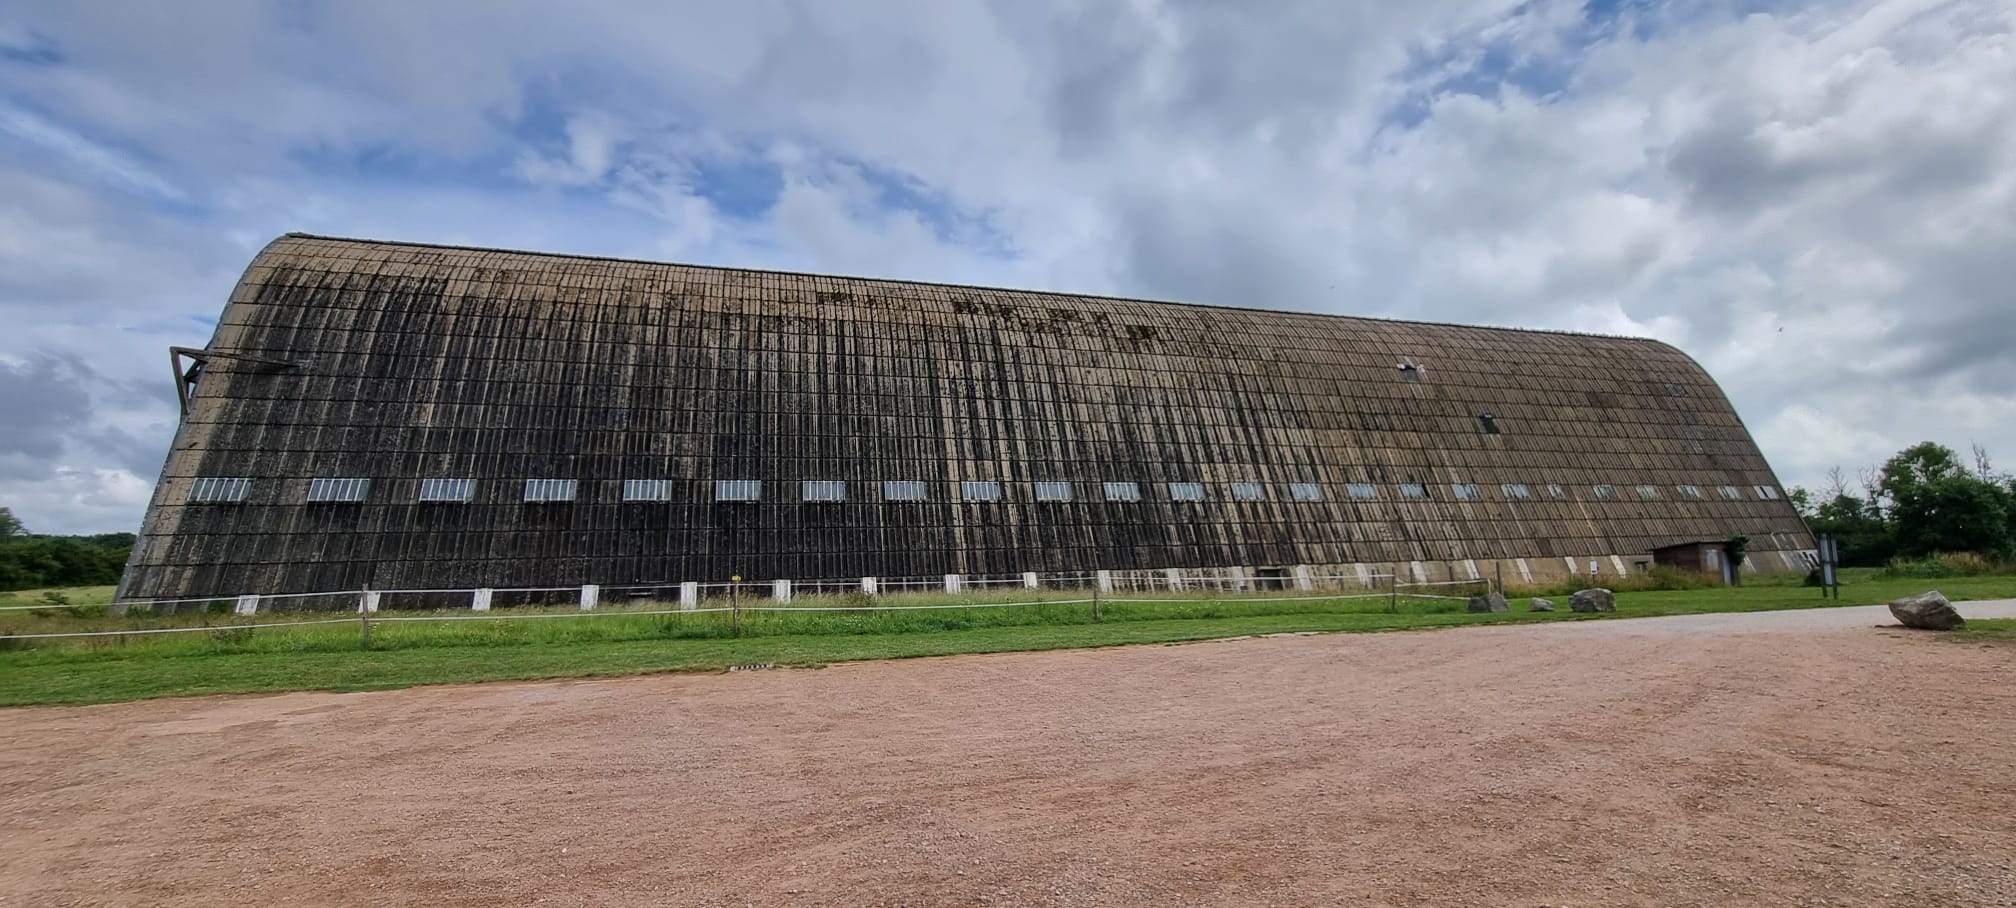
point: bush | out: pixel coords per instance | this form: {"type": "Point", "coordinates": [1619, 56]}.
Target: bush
{"type": "Point", "coordinates": [1947, 564]}
{"type": "Point", "coordinates": [55, 597]}
{"type": "Point", "coordinates": [1658, 577]}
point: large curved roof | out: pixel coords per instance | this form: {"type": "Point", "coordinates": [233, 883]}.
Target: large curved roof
{"type": "Point", "coordinates": [427, 361]}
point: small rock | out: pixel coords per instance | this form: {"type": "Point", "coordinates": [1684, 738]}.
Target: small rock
{"type": "Point", "coordinates": [1541, 605]}
{"type": "Point", "coordinates": [1493, 601]}
{"type": "Point", "coordinates": [1596, 600]}
{"type": "Point", "coordinates": [1927, 611]}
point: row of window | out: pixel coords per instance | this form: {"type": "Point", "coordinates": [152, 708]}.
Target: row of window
{"type": "Point", "coordinates": [215, 490]}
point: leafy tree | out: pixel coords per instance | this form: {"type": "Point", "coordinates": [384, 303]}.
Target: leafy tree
{"type": "Point", "coordinates": [1916, 467]}
{"type": "Point", "coordinates": [1954, 513]}
{"type": "Point", "coordinates": [10, 526]}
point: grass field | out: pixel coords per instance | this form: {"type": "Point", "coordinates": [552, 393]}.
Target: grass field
{"type": "Point", "coordinates": [521, 644]}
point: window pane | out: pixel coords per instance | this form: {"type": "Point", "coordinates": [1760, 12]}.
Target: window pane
{"type": "Point", "coordinates": [1648, 492]}
{"type": "Point", "coordinates": [647, 490]}
{"type": "Point", "coordinates": [1123, 491]}
{"type": "Point", "coordinates": [1555, 491]}
{"type": "Point", "coordinates": [1691, 493]}
{"type": "Point", "coordinates": [1466, 491]}
{"type": "Point", "coordinates": [1516, 490]}
{"type": "Point", "coordinates": [1362, 490]}
{"type": "Point", "coordinates": [903, 490]}
{"type": "Point", "coordinates": [213, 489]}
{"type": "Point", "coordinates": [738, 489]}
{"type": "Point", "coordinates": [1306, 491]}
{"type": "Point", "coordinates": [549, 490]}
{"type": "Point", "coordinates": [1053, 491]}
{"type": "Point", "coordinates": [338, 489]}
{"type": "Point", "coordinates": [1248, 491]}
{"type": "Point", "coordinates": [1186, 491]}
{"type": "Point", "coordinates": [1732, 493]}
{"type": "Point", "coordinates": [1605, 493]}
{"type": "Point", "coordinates": [1413, 490]}
{"type": "Point", "coordinates": [823, 490]}
{"type": "Point", "coordinates": [447, 489]}
{"type": "Point", "coordinates": [980, 490]}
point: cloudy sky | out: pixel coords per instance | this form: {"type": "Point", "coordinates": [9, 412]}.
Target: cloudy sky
{"type": "Point", "coordinates": [1816, 200]}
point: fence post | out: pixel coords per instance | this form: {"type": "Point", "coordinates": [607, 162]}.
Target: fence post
{"type": "Point", "coordinates": [1501, 576]}
{"type": "Point", "coordinates": [366, 604]}
{"type": "Point", "coordinates": [780, 590]}
{"type": "Point", "coordinates": [1393, 599]}
{"type": "Point", "coordinates": [1095, 602]}
{"type": "Point", "coordinates": [689, 595]}
{"type": "Point", "coordinates": [735, 603]}
{"type": "Point", "coordinates": [247, 605]}
{"type": "Point", "coordinates": [481, 602]}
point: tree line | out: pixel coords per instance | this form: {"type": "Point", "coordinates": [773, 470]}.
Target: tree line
{"type": "Point", "coordinates": [1925, 500]}
{"type": "Point", "coordinates": [28, 561]}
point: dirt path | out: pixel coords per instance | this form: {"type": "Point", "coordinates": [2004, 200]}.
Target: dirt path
{"type": "Point", "coordinates": [1612, 763]}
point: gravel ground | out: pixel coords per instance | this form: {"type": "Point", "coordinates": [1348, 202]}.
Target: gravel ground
{"type": "Point", "coordinates": [1805, 758]}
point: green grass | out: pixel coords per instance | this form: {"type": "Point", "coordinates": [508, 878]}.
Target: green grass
{"type": "Point", "coordinates": [330, 657]}
{"type": "Point", "coordinates": [1988, 630]}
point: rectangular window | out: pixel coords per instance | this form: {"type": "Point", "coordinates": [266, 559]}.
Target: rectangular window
{"type": "Point", "coordinates": [1410, 373]}
{"type": "Point", "coordinates": [903, 490]}
{"type": "Point", "coordinates": [1186, 491]}
{"type": "Point", "coordinates": [647, 490]}
{"type": "Point", "coordinates": [980, 490]}
{"type": "Point", "coordinates": [1466, 492]}
{"type": "Point", "coordinates": [1648, 493]}
{"type": "Point", "coordinates": [1604, 493]}
{"type": "Point", "coordinates": [1516, 490]}
{"type": "Point", "coordinates": [1123, 491]}
{"type": "Point", "coordinates": [1361, 490]}
{"type": "Point", "coordinates": [738, 489]}
{"type": "Point", "coordinates": [338, 489]}
{"type": "Point", "coordinates": [1555, 491]}
{"type": "Point", "coordinates": [823, 490]}
{"type": "Point", "coordinates": [1731, 492]}
{"type": "Point", "coordinates": [1248, 491]}
{"type": "Point", "coordinates": [549, 490]}
{"type": "Point", "coordinates": [1488, 423]}
{"type": "Point", "coordinates": [1413, 490]}
{"type": "Point", "coordinates": [1305, 491]}
{"type": "Point", "coordinates": [211, 489]}
{"type": "Point", "coordinates": [1053, 491]}
{"type": "Point", "coordinates": [1691, 493]}
{"type": "Point", "coordinates": [447, 489]}
{"type": "Point", "coordinates": [1768, 493]}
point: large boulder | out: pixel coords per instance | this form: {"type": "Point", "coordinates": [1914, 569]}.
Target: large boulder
{"type": "Point", "coordinates": [1596, 600]}
{"type": "Point", "coordinates": [1493, 601]}
{"type": "Point", "coordinates": [1928, 611]}
{"type": "Point", "coordinates": [1541, 605]}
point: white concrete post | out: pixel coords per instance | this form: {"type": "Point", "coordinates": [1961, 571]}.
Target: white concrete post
{"type": "Point", "coordinates": [247, 605]}
{"type": "Point", "coordinates": [689, 595]}
{"type": "Point", "coordinates": [1594, 569]}
{"type": "Point", "coordinates": [1105, 581]}
{"type": "Point", "coordinates": [590, 593]}
{"type": "Point", "coordinates": [1364, 575]}
{"type": "Point", "coordinates": [1029, 580]}
{"type": "Point", "coordinates": [1239, 579]}
{"type": "Point", "coordinates": [1420, 573]}
{"type": "Point", "coordinates": [1175, 576]}
{"type": "Point", "coordinates": [867, 586]}
{"type": "Point", "coordinates": [482, 601]}
{"type": "Point", "coordinates": [1470, 564]}
{"type": "Point", "coordinates": [1525, 571]}
{"type": "Point", "coordinates": [369, 603]}
{"type": "Point", "coordinates": [780, 590]}
{"type": "Point", "coordinates": [1302, 579]}
{"type": "Point", "coordinates": [1618, 562]}
{"type": "Point", "coordinates": [951, 583]}
{"type": "Point", "coordinates": [1571, 562]}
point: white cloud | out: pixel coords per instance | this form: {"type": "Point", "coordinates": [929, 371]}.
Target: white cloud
{"type": "Point", "coordinates": [1816, 202]}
